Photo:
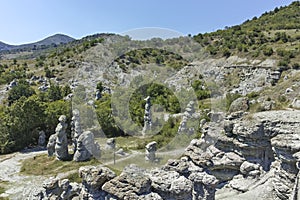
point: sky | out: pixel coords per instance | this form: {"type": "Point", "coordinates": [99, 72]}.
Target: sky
{"type": "Point", "coordinates": [25, 21]}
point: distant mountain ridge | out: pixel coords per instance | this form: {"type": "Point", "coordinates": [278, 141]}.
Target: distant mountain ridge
{"type": "Point", "coordinates": [53, 40]}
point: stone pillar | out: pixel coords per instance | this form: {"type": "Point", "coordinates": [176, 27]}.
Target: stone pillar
{"type": "Point", "coordinates": [147, 116]}
{"type": "Point", "coordinates": [51, 145]}
{"type": "Point", "coordinates": [42, 139]}
{"type": "Point", "coordinates": [189, 111]}
{"type": "Point", "coordinates": [61, 145]}
{"type": "Point", "coordinates": [150, 151]}
{"type": "Point", "coordinates": [75, 128]}
{"type": "Point", "coordinates": [110, 144]}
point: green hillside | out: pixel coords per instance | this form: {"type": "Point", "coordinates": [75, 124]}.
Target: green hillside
{"type": "Point", "coordinates": [275, 34]}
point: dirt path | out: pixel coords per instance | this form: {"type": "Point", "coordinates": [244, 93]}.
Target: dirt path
{"type": "Point", "coordinates": [17, 184]}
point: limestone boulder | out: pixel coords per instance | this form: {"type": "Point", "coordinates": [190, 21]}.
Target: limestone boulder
{"type": "Point", "coordinates": [132, 183]}
{"type": "Point", "coordinates": [240, 104]}
{"type": "Point", "coordinates": [171, 185]}
{"type": "Point", "coordinates": [93, 177]}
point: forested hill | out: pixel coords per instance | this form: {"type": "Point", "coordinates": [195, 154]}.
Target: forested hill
{"type": "Point", "coordinates": [274, 34]}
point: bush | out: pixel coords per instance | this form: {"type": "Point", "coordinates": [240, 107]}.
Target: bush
{"type": "Point", "coordinates": [267, 51]}
{"type": "Point", "coordinates": [226, 52]}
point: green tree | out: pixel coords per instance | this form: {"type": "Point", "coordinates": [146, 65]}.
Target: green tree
{"type": "Point", "coordinates": [48, 72]}
{"type": "Point", "coordinates": [26, 115]}
{"type": "Point", "coordinates": [53, 111]}
{"type": "Point", "coordinates": [106, 119]}
{"type": "Point", "coordinates": [22, 89]}
{"type": "Point", "coordinates": [267, 51]}
{"type": "Point", "coordinates": [66, 90]}
{"type": "Point", "coordinates": [54, 93]}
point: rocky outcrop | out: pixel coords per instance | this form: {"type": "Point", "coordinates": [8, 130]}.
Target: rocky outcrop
{"type": "Point", "coordinates": [93, 177]}
{"type": "Point", "coordinates": [131, 184]}
{"type": "Point", "coordinates": [241, 157]}
{"type": "Point", "coordinates": [171, 185]}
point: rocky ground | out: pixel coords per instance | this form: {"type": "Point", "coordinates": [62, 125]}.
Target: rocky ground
{"type": "Point", "coordinates": [17, 183]}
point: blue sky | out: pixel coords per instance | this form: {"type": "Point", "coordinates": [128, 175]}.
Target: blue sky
{"type": "Point", "coordinates": [24, 21]}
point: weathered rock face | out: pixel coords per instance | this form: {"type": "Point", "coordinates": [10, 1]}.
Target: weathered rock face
{"type": "Point", "coordinates": [58, 144]}
{"type": "Point", "coordinates": [86, 147]}
{"type": "Point", "coordinates": [93, 177]}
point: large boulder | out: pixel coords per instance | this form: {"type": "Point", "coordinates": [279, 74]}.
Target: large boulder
{"type": "Point", "coordinates": [93, 177]}
{"type": "Point", "coordinates": [131, 184]}
{"type": "Point", "coordinates": [240, 104]}
{"type": "Point", "coordinates": [86, 147]}
{"type": "Point", "coordinates": [171, 185]}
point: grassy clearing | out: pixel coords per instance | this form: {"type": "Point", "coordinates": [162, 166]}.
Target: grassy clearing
{"type": "Point", "coordinates": [49, 166]}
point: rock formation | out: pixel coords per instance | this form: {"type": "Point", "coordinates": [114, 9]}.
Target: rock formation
{"type": "Point", "coordinates": [42, 139]}
{"type": "Point", "coordinates": [110, 144]}
{"type": "Point", "coordinates": [51, 145]}
{"type": "Point", "coordinates": [240, 104]}
{"type": "Point", "coordinates": [93, 177]}
{"type": "Point", "coordinates": [98, 95]}
{"type": "Point", "coordinates": [61, 144]}
{"type": "Point", "coordinates": [147, 116]}
{"type": "Point", "coordinates": [86, 147]}
{"type": "Point", "coordinates": [188, 114]}
{"type": "Point", "coordinates": [240, 157]}
{"type": "Point", "coordinates": [150, 151]}
{"type": "Point", "coordinates": [75, 128]}
{"type": "Point", "coordinates": [133, 183]}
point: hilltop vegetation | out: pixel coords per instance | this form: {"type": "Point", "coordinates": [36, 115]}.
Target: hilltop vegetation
{"type": "Point", "coordinates": [151, 55]}
{"type": "Point", "coordinates": [273, 35]}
